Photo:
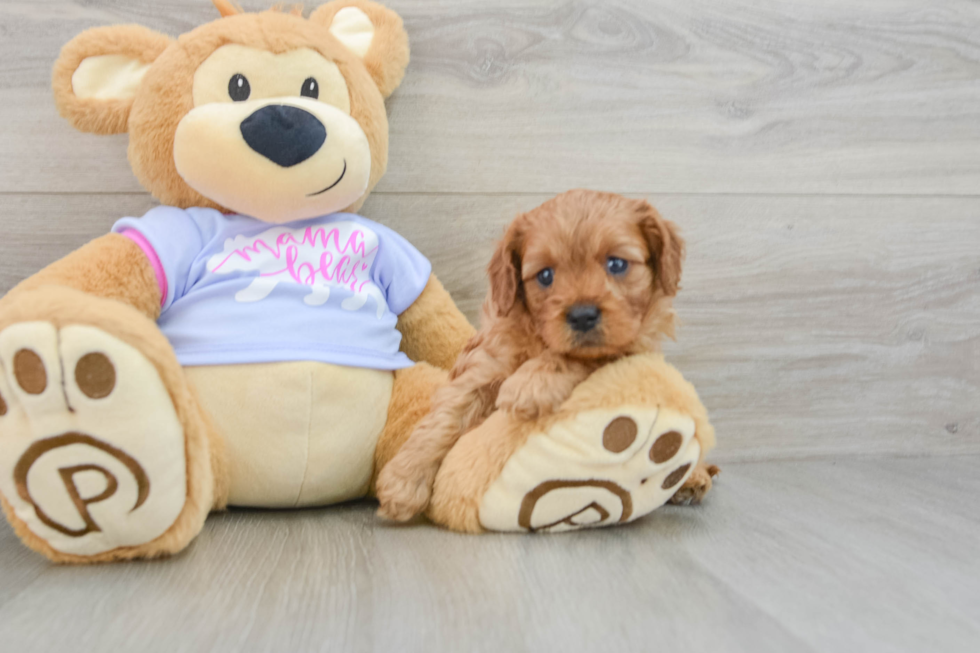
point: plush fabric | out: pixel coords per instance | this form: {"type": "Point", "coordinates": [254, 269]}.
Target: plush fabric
{"type": "Point", "coordinates": [91, 113]}
{"type": "Point", "coordinates": [108, 77]}
{"type": "Point", "coordinates": [310, 443]}
{"type": "Point", "coordinates": [125, 486]}
{"type": "Point", "coordinates": [387, 56]}
{"type": "Point", "coordinates": [354, 29]}
{"type": "Point", "coordinates": [568, 446]}
{"type": "Point", "coordinates": [112, 266]}
{"type": "Point", "coordinates": [205, 467]}
{"type": "Point", "coordinates": [166, 91]}
{"type": "Point", "coordinates": [432, 328]}
{"type": "Point", "coordinates": [111, 450]}
{"type": "Point", "coordinates": [131, 79]}
{"type": "Point", "coordinates": [599, 468]}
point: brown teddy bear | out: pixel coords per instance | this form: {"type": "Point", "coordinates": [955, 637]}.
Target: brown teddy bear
{"type": "Point", "coordinates": [254, 341]}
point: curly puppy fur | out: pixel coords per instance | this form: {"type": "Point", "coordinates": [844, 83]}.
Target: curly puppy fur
{"type": "Point", "coordinates": [582, 280]}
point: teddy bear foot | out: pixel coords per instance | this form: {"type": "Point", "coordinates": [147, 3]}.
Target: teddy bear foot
{"type": "Point", "coordinates": [92, 452]}
{"type": "Point", "coordinates": [598, 468]}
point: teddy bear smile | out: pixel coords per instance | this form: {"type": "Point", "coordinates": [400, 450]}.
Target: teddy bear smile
{"type": "Point", "coordinates": [342, 173]}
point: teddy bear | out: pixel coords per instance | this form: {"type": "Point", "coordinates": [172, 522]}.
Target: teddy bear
{"type": "Point", "coordinates": [253, 340]}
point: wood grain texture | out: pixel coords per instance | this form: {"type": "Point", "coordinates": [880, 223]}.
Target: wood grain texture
{"type": "Point", "coordinates": [784, 96]}
{"type": "Point", "coordinates": [823, 162]}
{"type": "Point", "coordinates": [811, 326]}
{"type": "Point", "coordinates": [869, 556]}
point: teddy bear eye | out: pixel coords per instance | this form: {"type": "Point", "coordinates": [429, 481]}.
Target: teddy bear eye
{"type": "Point", "coordinates": [616, 265]}
{"type": "Point", "coordinates": [310, 88]}
{"type": "Point", "coordinates": [239, 88]}
{"type": "Point", "coordinates": [546, 277]}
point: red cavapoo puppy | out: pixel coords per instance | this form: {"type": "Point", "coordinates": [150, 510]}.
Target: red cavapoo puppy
{"type": "Point", "coordinates": [576, 283]}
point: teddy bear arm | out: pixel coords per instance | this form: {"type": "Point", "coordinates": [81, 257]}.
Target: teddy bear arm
{"type": "Point", "coordinates": [433, 329]}
{"type": "Point", "coordinates": [111, 267]}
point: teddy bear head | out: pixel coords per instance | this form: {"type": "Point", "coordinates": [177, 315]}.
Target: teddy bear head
{"type": "Point", "coordinates": [268, 114]}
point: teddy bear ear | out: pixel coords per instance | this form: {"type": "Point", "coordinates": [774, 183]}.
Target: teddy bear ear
{"type": "Point", "coordinates": [372, 32]}
{"type": "Point", "coordinates": [98, 73]}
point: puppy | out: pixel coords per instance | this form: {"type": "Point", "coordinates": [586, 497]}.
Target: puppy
{"type": "Point", "coordinates": [576, 283]}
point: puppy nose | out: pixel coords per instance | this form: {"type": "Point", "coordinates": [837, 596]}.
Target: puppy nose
{"type": "Point", "coordinates": [284, 135]}
{"type": "Point", "coordinates": [583, 317]}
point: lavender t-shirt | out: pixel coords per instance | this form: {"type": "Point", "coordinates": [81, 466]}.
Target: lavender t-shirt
{"type": "Point", "coordinates": [237, 290]}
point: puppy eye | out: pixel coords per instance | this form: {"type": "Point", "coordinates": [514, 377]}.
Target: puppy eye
{"type": "Point", "coordinates": [239, 88]}
{"type": "Point", "coordinates": [310, 88]}
{"type": "Point", "coordinates": [546, 277]}
{"type": "Point", "coordinates": [616, 266]}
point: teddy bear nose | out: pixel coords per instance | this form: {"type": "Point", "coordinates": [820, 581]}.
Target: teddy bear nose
{"type": "Point", "coordinates": [285, 135]}
{"type": "Point", "coordinates": [583, 317]}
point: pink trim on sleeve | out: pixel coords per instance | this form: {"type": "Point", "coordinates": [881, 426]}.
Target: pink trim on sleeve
{"type": "Point", "coordinates": [151, 254]}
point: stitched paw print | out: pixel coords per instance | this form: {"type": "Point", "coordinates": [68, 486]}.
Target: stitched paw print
{"type": "Point", "coordinates": [599, 468]}
{"type": "Point", "coordinates": [91, 449]}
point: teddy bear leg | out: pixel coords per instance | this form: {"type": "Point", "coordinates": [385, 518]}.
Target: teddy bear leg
{"type": "Point", "coordinates": [624, 443]}
{"type": "Point", "coordinates": [104, 452]}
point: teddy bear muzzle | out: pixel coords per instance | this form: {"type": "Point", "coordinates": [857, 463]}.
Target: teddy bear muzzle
{"type": "Point", "coordinates": [285, 135]}
{"type": "Point", "coordinates": [278, 159]}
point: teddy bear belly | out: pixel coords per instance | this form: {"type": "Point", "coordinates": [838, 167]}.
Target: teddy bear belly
{"type": "Point", "coordinates": [297, 433]}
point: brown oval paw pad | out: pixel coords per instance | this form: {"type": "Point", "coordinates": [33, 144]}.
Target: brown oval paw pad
{"type": "Point", "coordinates": [619, 434]}
{"type": "Point", "coordinates": [3, 406]}
{"type": "Point", "coordinates": [666, 447]}
{"type": "Point", "coordinates": [29, 372]}
{"type": "Point", "coordinates": [675, 476]}
{"type": "Point", "coordinates": [95, 375]}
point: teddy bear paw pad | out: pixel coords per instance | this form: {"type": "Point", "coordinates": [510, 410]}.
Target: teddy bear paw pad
{"type": "Point", "coordinates": [598, 468]}
{"type": "Point", "coordinates": [91, 449]}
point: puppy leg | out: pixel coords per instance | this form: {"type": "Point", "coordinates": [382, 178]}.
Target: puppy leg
{"type": "Point", "coordinates": [411, 400]}
{"type": "Point", "coordinates": [405, 483]}
{"type": "Point", "coordinates": [540, 385]}
{"type": "Point", "coordinates": [696, 486]}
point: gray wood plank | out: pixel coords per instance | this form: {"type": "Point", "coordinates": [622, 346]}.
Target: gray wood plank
{"type": "Point", "coordinates": [787, 96]}
{"type": "Point", "coordinates": [822, 318]}
{"type": "Point", "coordinates": [870, 555]}
{"type": "Point", "coordinates": [811, 326]}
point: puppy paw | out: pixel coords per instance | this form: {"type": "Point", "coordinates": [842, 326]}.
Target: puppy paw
{"type": "Point", "coordinates": [528, 400]}
{"type": "Point", "coordinates": [524, 407]}
{"type": "Point", "coordinates": [403, 492]}
{"type": "Point", "coordinates": [696, 486]}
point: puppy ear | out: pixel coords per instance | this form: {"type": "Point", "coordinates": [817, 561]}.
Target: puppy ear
{"type": "Point", "coordinates": [505, 271]}
{"type": "Point", "coordinates": [666, 247]}
{"type": "Point", "coordinates": [372, 32]}
{"type": "Point", "coordinates": [98, 73]}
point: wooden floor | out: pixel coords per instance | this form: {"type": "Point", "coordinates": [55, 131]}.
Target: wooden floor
{"type": "Point", "coordinates": [850, 555]}
{"type": "Point", "coordinates": [823, 161]}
